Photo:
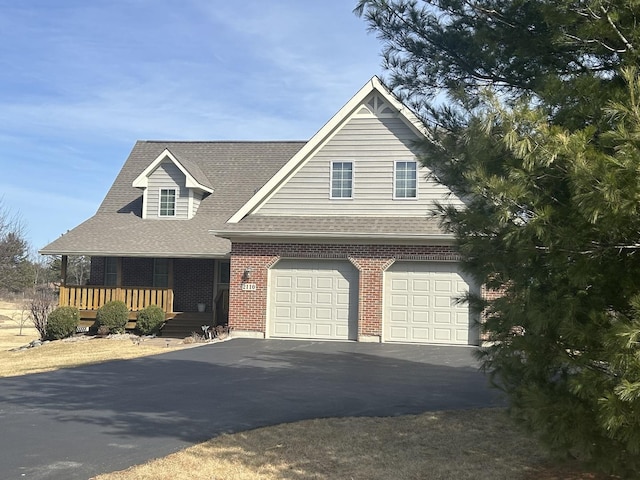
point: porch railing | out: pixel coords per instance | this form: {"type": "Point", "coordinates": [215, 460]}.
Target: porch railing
{"type": "Point", "coordinates": [88, 297]}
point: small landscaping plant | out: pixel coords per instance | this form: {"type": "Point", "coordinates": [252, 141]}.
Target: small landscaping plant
{"type": "Point", "coordinates": [113, 315]}
{"type": "Point", "coordinates": [62, 323]}
{"type": "Point", "coordinates": [149, 320]}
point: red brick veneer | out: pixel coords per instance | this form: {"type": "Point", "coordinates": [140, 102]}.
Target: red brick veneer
{"type": "Point", "coordinates": [248, 309]}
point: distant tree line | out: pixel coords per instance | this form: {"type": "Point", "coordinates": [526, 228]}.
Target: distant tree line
{"type": "Point", "coordinates": [22, 269]}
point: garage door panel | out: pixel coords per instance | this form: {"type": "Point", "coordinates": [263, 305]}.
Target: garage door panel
{"type": "Point", "coordinates": [442, 302]}
{"type": "Point", "coordinates": [399, 333]}
{"type": "Point", "coordinates": [421, 285]}
{"type": "Point", "coordinates": [324, 298]}
{"type": "Point", "coordinates": [399, 285]}
{"type": "Point", "coordinates": [420, 301]}
{"type": "Point", "coordinates": [282, 328]}
{"type": "Point", "coordinates": [302, 298]}
{"type": "Point", "coordinates": [302, 329]}
{"type": "Point", "coordinates": [420, 317]}
{"type": "Point", "coordinates": [442, 318]}
{"type": "Point", "coordinates": [399, 316]}
{"type": "Point", "coordinates": [283, 297]}
{"type": "Point", "coordinates": [283, 312]}
{"type": "Point", "coordinates": [320, 298]}
{"type": "Point", "coordinates": [302, 313]}
{"type": "Point", "coordinates": [284, 281]}
{"type": "Point", "coordinates": [420, 304]}
{"type": "Point", "coordinates": [324, 283]}
{"type": "Point", "coordinates": [442, 334]}
{"type": "Point", "coordinates": [399, 300]}
{"type": "Point", "coordinates": [420, 334]}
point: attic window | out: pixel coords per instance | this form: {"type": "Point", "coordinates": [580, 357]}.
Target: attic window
{"type": "Point", "coordinates": [405, 180]}
{"type": "Point", "coordinates": [341, 180]}
{"type": "Point", "coordinates": [167, 202]}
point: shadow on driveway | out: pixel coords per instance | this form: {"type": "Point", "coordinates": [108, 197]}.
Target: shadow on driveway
{"type": "Point", "coordinates": [78, 422]}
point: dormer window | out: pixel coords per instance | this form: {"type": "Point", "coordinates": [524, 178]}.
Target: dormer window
{"type": "Point", "coordinates": [172, 189]}
{"type": "Point", "coordinates": [167, 202]}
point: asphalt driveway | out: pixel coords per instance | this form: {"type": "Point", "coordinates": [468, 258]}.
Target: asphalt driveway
{"type": "Point", "coordinates": [75, 423]}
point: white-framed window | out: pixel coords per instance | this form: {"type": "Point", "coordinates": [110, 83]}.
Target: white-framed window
{"type": "Point", "coordinates": [405, 180]}
{"type": "Point", "coordinates": [161, 272]}
{"type": "Point", "coordinates": [341, 179]}
{"type": "Point", "coordinates": [167, 202]}
{"type": "Point", "coordinates": [110, 271]}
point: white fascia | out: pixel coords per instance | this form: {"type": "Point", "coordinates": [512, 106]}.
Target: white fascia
{"type": "Point", "coordinates": [142, 180]}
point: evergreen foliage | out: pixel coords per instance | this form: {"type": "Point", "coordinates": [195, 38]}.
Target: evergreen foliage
{"type": "Point", "coordinates": [113, 315]}
{"type": "Point", "coordinates": [16, 271]}
{"type": "Point", "coordinates": [149, 320]}
{"type": "Point", "coordinates": [62, 323]}
{"type": "Point", "coordinates": [539, 130]}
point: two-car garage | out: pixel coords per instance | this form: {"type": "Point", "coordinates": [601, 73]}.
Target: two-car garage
{"type": "Point", "coordinates": [318, 299]}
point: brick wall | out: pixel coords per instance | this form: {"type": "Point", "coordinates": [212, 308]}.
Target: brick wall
{"type": "Point", "coordinates": [248, 309]}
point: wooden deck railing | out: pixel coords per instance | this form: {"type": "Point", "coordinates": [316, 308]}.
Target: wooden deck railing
{"type": "Point", "coordinates": [88, 297]}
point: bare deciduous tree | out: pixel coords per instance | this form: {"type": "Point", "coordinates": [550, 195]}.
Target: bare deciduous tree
{"type": "Point", "coordinates": [22, 316]}
{"type": "Point", "coordinates": [42, 303]}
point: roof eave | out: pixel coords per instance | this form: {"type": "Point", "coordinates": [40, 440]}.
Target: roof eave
{"type": "Point", "coordinates": [247, 234]}
{"type": "Point", "coordinates": [105, 253]}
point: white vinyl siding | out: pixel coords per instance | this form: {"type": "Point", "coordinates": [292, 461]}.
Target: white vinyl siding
{"type": "Point", "coordinates": [341, 180]}
{"type": "Point", "coordinates": [197, 198]}
{"type": "Point", "coordinates": [167, 177]}
{"type": "Point", "coordinates": [374, 145]}
{"type": "Point", "coordinates": [405, 180]}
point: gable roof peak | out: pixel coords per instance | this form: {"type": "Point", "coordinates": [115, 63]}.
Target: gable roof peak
{"type": "Point", "coordinates": [195, 178]}
{"type": "Point", "coordinates": [374, 85]}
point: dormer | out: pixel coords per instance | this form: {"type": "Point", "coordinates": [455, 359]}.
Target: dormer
{"type": "Point", "coordinates": [172, 188]}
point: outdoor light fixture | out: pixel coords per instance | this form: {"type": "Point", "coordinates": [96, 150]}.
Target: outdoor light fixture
{"type": "Point", "coordinates": [247, 274]}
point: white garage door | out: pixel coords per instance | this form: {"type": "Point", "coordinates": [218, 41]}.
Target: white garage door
{"type": "Point", "coordinates": [420, 304]}
{"type": "Point", "coordinates": [315, 299]}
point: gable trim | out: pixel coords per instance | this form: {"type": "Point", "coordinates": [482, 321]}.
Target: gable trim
{"type": "Point", "coordinates": [329, 129]}
{"type": "Point", "coordinates": [142, 180]}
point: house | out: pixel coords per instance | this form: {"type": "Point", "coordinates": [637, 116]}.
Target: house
{"type": "Point", "coordinates": [324, 239]}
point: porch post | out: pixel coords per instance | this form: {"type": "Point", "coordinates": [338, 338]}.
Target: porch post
{"type": "Point", "coordinates": [63, 269]}
{"type": "Point", "coordinates": [170, 283]}
{"type": "Point", "coordinates": [119, 271]}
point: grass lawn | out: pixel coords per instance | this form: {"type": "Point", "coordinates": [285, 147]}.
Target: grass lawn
{"type": "Point", "coordinates": [476, 444]}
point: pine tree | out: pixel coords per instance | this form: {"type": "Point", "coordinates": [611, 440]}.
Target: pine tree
{"type": "Point", "coordinates": [540, 132]}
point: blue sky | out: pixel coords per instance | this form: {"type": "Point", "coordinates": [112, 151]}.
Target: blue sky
{"type": "Point", "coordinates": [81, 81]}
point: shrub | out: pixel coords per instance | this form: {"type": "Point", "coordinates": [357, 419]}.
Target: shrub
{"type": "Point", "coordinates": [149, 320]}
{"type": "Point", "coordinates": [62, 323]}
{"type": "Point", "coordinates": [113, 315]}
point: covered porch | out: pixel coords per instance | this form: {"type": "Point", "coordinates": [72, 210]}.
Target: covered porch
{"type": "Point", "coordinates": [191, 292]}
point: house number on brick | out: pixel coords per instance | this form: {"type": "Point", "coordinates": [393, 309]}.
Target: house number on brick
{"type": "Point", "coordinates": [248, 286]}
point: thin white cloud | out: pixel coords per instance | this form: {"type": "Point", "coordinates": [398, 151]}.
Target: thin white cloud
{"type": "Point", "coordinates": [81, 81]}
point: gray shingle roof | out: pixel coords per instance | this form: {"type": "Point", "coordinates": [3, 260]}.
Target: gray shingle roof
{"type": "Point", "coordinates": [235, 170]}
{"type": "Point", "coordinates": [335, 226]}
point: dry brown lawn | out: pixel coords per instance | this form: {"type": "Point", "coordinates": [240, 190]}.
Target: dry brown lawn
{"type": "Point", "coordinates": [62, 354]}
{"type": "Point", "coordinates": [474, 444]}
